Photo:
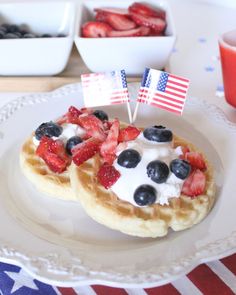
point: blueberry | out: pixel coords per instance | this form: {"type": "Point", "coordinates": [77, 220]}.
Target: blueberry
{"type": "Point", "coordinates": [180, 168]}
{"type": "Point", "coordinates": [5, 26]}
{"type": "Point", "coordinates": [158, 171]}
{"type": "Point", "coordinates": [11, 36]}
{"type": "Point", "coordinates": [46, 36]}
{"type": "Point", "coordinates": [101, 115]}
{"type": "Point", "coordinates": [129, 158]}
{"type": "Point", "coordinates": [61, 35]}
{"type": "Point", "coordinates": [29, 35]}
{"type": "Point", "coordinates": [3, 29]}
{"type": "Point", "coordinates": [48, 129]}
{"type": "Point", "coordinates": [23, 31]}
{"type": "Point", "coordinates": [145, 195]}
{"type": "Point", "coordinates": [71, 142]}
{"type": "Point", "coordinates": [12, 29]}
{"type": "Point", "coordinates": [158, 134]}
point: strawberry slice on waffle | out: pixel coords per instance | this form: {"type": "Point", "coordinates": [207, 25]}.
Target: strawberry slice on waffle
{"type": "Point", "coordinates": [84, 151]}
{"type": "Point", "coordinates": [93, 126]}
{"type": "Point", "coordinates": [128, 133]}
{"type": "Point", "coordinates": [54, 154]}
{"type": "Point", "coordinates": [108, 147]}
{"type": "Point", "coordinates": [195, 184]}
{"type": "Point", "coordinates": [107, 175]}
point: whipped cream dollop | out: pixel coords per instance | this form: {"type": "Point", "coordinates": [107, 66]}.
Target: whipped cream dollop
{"type": "Point", "coordinates": [69, 130]}
{"type": "Point", "coordinates": [132, 178]}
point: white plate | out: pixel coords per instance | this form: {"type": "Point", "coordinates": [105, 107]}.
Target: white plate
{"type": "Point", "coordinates": [57, 243]}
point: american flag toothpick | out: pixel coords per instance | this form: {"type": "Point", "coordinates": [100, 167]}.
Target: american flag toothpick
{"type": "Point", "coordinates": [100, 89]}
{"type": "Point", "coordinates": [163, 90]}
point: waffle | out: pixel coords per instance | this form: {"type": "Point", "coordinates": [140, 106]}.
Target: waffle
{"type": "Point", "coordinates": [38, 173]}
{"type": "Point", "coordinates": [152, 221]}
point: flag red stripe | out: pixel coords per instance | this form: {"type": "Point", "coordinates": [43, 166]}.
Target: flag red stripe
{"type": "Point", "coordinates": [118, 96]}
{"type": "Point", "coordinates": [179, 78]}
{"type": "Point", "coordinates": [168, 100]}
{"type": "Point", "coordinates": [144, 91]}
{"type": "Point", "coordinates": [178, 84]}
{"type": "Point", "coordinates": [67, 291]}
{"type": "Point", "coordinates": [230, 263]}
{"type": "Point", "coordinates": [175, 94]}
{"type": "Point", "coordinates": [208, 282]}
{"type": "Point", "coordinates": [118, 101]}
{"type": "Point", "coordinates": [91, 75]}
{"type": "Point", "coordinates": [104, 290]}
{"type": "Point", "coordinates": [163, 290]}
{"type": "Point", "coordinates": [167, 103]}
{"type": "Point", "coordinates": [165, 108]}
{"type": "Point", "coordinates": [177, 89]}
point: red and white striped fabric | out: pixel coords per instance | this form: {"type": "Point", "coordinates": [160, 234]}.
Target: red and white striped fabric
{"type": "Point", "coordinates": [163, 90]}
{"type": "Point", "coordinates": [100, 89]}
{"type": "Point", "coordinates": [213, 278]}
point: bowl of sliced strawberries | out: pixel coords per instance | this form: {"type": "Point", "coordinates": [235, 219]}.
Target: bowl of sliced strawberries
{"type": "Point", "coordinates": [125, 35]}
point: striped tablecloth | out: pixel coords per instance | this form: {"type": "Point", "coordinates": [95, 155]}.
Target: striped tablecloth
{"type": "Point", "coordinates": [213, 278]}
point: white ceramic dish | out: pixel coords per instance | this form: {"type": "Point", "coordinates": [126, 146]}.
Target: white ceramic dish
{"type": "Point", "coordinates": [132, 54]}
{"type": "Point", "coordinates": [37, 56]}
{"type": "Point", "coordinates": [57, 243]}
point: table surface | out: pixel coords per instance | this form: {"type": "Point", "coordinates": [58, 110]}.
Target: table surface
{"type": "Point", "coordinates": [196, 57]}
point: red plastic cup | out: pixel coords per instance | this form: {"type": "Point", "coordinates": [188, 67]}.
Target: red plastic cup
{"type": "Point", "coordinates": [227, 45]}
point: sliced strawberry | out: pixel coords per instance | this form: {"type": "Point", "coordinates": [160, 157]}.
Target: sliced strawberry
{"type": "Point", "coordinates": [107, 175]}
{"type": "Point", "coordinates": [62, 120]}
{"type": "Point", "coordinates": [72, 116]}
{"type": "Point", "coordinates": [195, 184]}
{"type": "Point", "coordinates": [156, 33]}
{"type": "Point", "coordinates": [196, 160]}
{"type": "Point", "coordinates": [53, 153]}
{"type": "Point", "coordinates": [156, 24]}
{"type": "Point", "coordinates": [84, 151]}
{"type": "Point", "coordinates": [108, 147]}
{"type": "Point", "coordinates": [57, 147]}
{"type": "Point", "coordinates": [185, 149]}
{"type": "Point", "coordinates": [86, 111]}
{"type": "Point", "coordinates": [121, 11]}
{"type": "Point", "coordinates": [147, 10]}
{"type": "Point", "coordinates": [128, 133]}
{"type": "Point", "coordinates": [93, 127]}
{"type": "Point", "coordinates": [95, 29]}
{"type": "Point", "coordinates": [116, 21]}
{"type": "Point", "coordinates": [54, 162]}
{"type": "Point", "coordinates": [107, 125]}
{"type": "Point", "coordinates": [43, 146]}
{"type": "Point", "coordinates": [74, 111]}
{"type": "Point", "coordinates": [140, 31]}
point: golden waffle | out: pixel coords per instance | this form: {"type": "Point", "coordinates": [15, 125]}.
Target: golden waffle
{"type": "Point", "coordinates": [152, 221]}
{"type": "Point", "coordinates": [38, 173]}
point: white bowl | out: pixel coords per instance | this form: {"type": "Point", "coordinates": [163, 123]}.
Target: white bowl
{"type": "Point", "coordinates": [37, 56]}
{"type": "Point", "coordinates": [133, 54]}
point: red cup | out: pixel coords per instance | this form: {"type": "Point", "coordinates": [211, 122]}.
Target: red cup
{"type": "Point", "coordinates": [227, 45]}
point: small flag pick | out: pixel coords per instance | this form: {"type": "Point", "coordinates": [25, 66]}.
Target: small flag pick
{"type": "Point", "coordinates": [163, 90]}
{"type": "Point", "coordinates": [100, 89]}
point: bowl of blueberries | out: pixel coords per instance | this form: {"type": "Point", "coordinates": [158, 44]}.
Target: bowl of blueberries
{"type": "Point", "coordinates": [36, 38]}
